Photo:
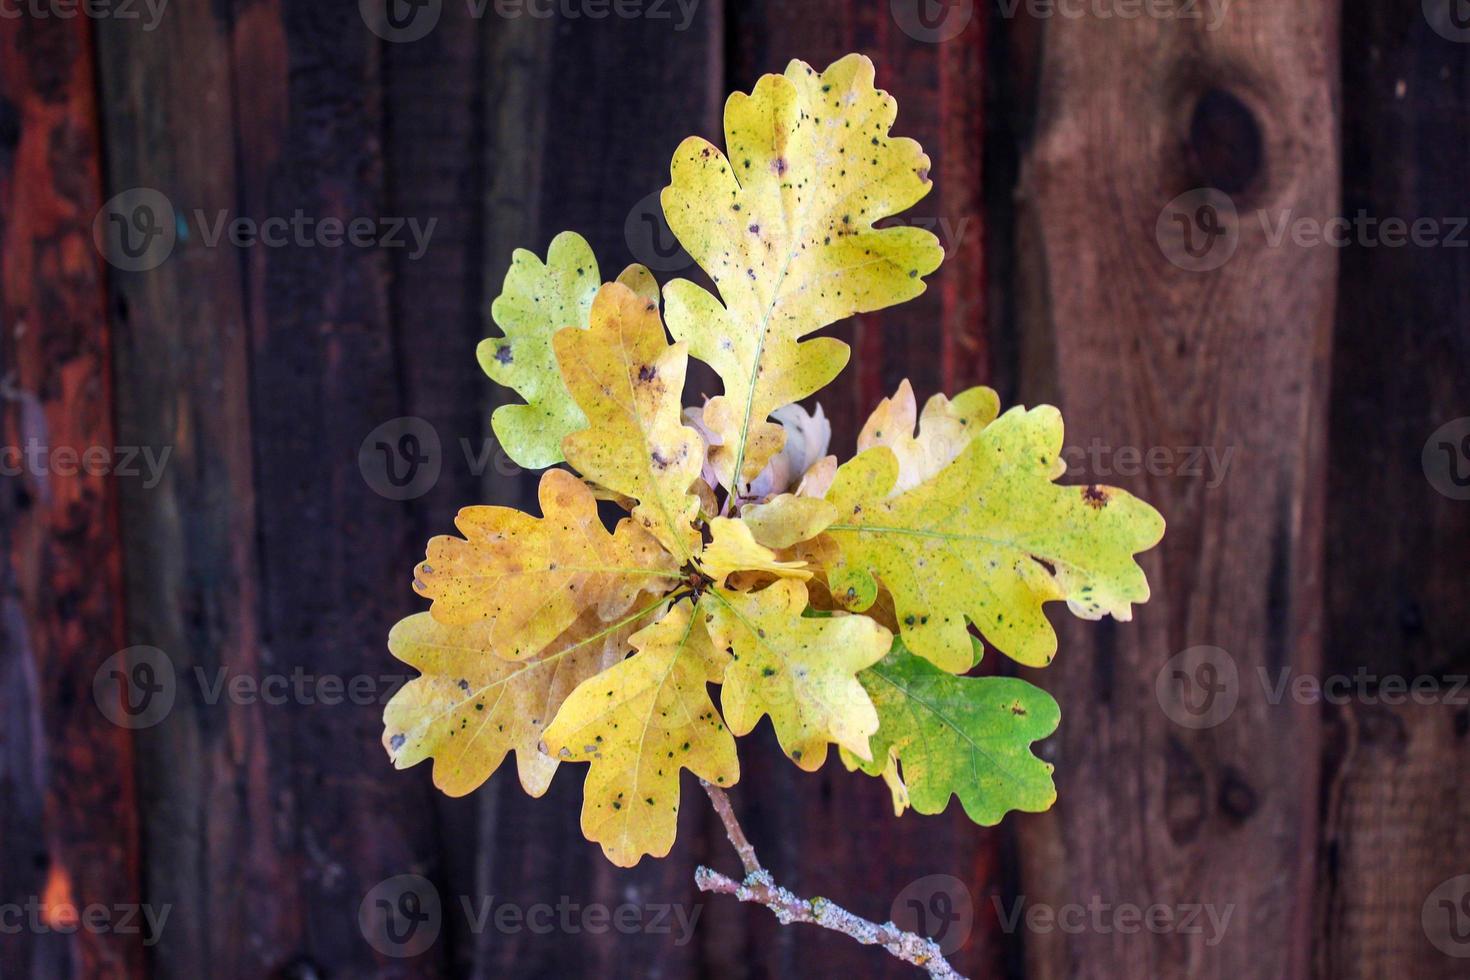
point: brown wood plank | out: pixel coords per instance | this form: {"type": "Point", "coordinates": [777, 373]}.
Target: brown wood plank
{"type": "Point", "coordinates": [1139, 351]}
{"type": "Point", "coordinates": [1397, 824]}
{"type": "Point", "coordinates": [205, 770]}
{"type": "Point", "coordinates": [1395, 802]}
{"type": "Point", "coordinates": [68, 827]}
{"type": "Point", "coordinates": [333, 552]}
{"type": "Point", "coordinates": [833, 833]}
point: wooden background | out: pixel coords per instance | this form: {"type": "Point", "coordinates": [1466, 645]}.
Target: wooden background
{"type": "Point", "coordinates": [1056, 140]}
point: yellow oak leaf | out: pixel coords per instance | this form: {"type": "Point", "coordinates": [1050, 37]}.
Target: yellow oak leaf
{"type": "Point", "coordinates": [732, 549]}
{"type": "Point", "coordinates": [788, 520]}
{"type": "Point", "coordinates": [782, 221]}
{"type": "Point", "coordinates": [538, 299]}
{"type": "Point", "coordinates": [470, 708]}
{"type": "Point", "coordinates": [945, 429]}
{"type": "Point", "coordinates": [991, 538]}
{"type": "Point", "coordinates": [802, 671]}
{"type": "Point", "coordinates": [639, 723]}
{"type": "Point", "coordinates": [628, 381]}
{"type": "Point", "coordinates": [520, 581]}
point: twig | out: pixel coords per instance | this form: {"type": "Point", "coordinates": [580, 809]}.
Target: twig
{"type": "Point", "coordinates": [758, 887]}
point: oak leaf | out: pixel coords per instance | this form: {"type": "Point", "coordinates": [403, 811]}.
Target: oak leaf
{"type": "Point", "coordinates": [638, 724]}
{"type": "Point", "coordinates": [782, 221]}
{"type": "Point", "coordinates": [990, 538]}
{"type": "Point", "coordinates": [519, 581]}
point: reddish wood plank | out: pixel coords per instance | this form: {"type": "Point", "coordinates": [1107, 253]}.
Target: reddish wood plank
{"type": "Point", "coordinates": [1141, 351]}
{"type": "Point", "coordinates": [71, 834]}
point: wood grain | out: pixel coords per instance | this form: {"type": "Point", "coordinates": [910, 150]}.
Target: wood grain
{"type": "Point", "coordinates": [68, 815]}
{"type": "Point", "coordinates": [1140, 352]}
{"type": "Point", "coordinates": [1395, 806]}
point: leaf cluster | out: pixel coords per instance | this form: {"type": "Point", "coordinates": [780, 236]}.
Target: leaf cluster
{"type": "Point", "coordinates": [846, 604]}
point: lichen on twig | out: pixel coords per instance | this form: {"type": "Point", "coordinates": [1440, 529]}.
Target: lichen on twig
{"type": "Point", "coordinates": [759, 887]}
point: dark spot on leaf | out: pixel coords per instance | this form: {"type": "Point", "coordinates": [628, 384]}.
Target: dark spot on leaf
{"type": "Point", "coordinates": [396, 742]}
{"type": "Point", "coordinates": [503, 354]}
{"type": "Point", "coordinates": [1095, 497]}
{"type": "Point", "coordinates": [647, 373]}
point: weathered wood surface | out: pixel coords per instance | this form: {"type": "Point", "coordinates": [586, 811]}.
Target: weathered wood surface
{"type": "Point", "coordinates": [1057, 142]}
{"type": "Point", "coordinates": [1140, 352]}
{"type": "Point", "coordinates": [1395, 790]}
{"type": "Point", "coordinates": [68, 816]}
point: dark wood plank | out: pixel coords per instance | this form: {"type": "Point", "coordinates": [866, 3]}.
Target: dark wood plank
{"type": "Point", "coordinates": [1406, 136]}
{"type": "Point", "coordinates": [68, 826]}
{"type": "Point", "coordinates": [833, 833]}
{"type": "Point", "coordinates": [1393, 844]}
{"type": "Point", "coordinates": [1397, 535]}
{"type": "Point", "coordinates": [1139, 351]}
{"type": "Point", "coordinates": [207, 793]}
{"type": "Point", "coordinates": [333, 551]}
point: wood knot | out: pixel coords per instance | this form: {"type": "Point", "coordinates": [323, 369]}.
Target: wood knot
{"type": "Point", "coordinates": [1225, 144]}
{"type": "Point", "coordinates": [1237, 800]}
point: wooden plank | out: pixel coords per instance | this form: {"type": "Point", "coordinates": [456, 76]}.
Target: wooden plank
{"type": "Point", "coordinates": [333, 551]}
{"type": "Point", "coordinates": [1140, 351]}
{"type": "Point", "coordinates": [1406, 133]}
{"type": "Point", "coordinates": [833, 833]}
{"type": "Point", "coordinates": [1394, 844]}
{"type": "Point", "coordinates": [582, 119]}
{"type": "Point", "coordinates": [68, 829]}
{"type": "Point", "coordinates": [207, 794]}
{"type": "Point", "coordinates": [1397, 534]}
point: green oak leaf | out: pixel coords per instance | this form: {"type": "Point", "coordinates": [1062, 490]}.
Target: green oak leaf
{"type": "Point", "coordinates": [538, 299]}
{"type": "Point", "coordinates": [958, 736]}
